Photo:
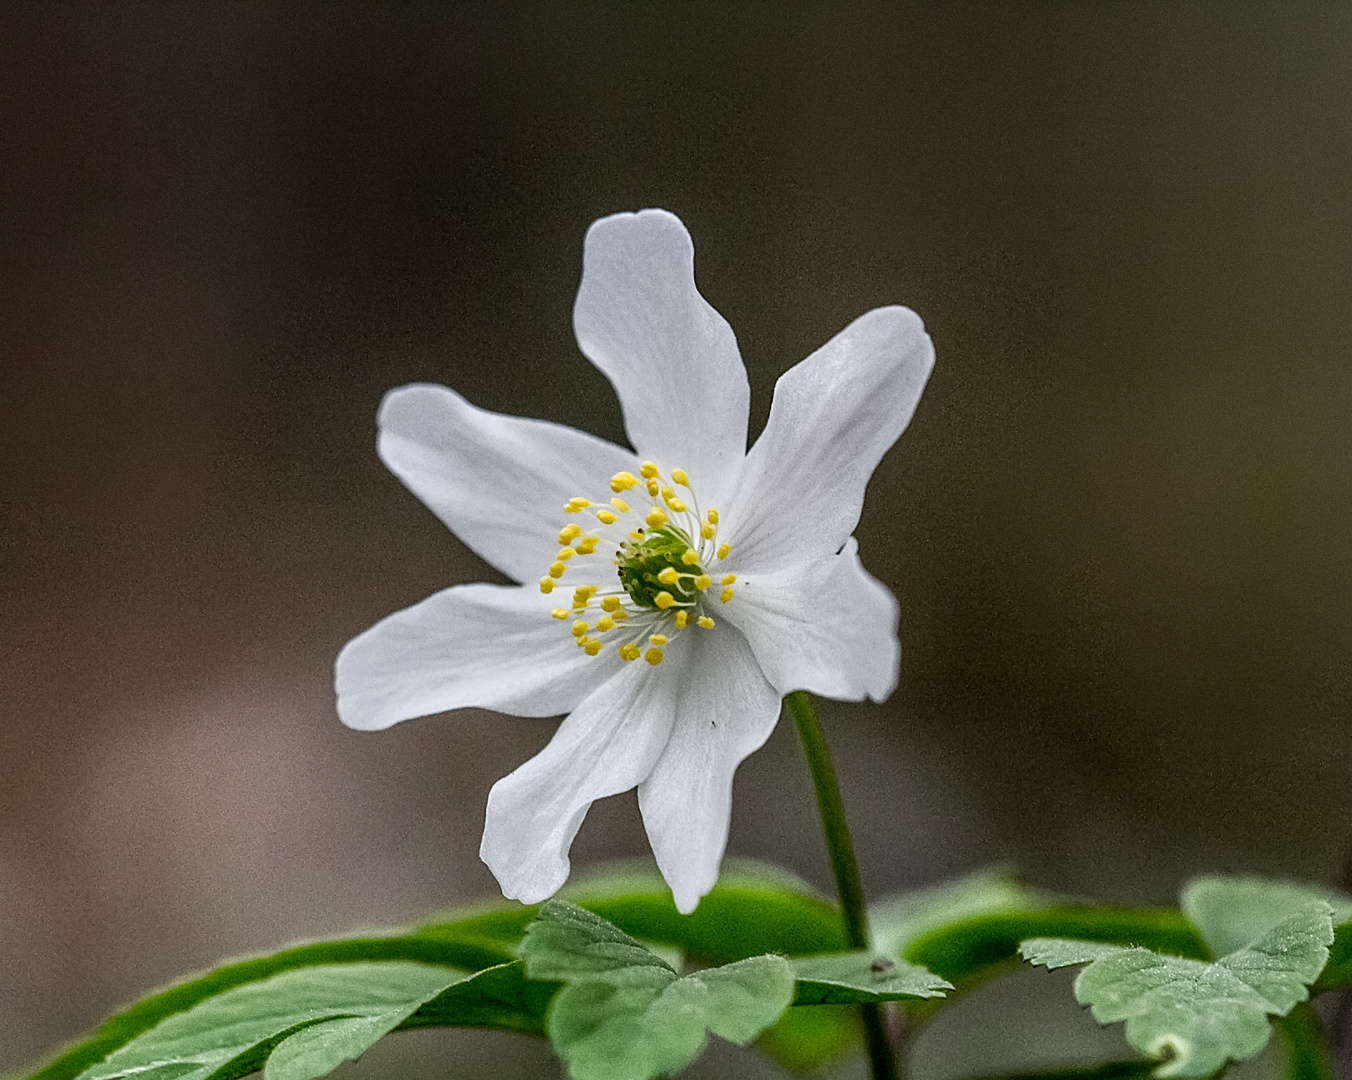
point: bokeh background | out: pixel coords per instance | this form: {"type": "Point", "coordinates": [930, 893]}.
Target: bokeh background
{"type": "Point", "coordinates": [1120, 525]}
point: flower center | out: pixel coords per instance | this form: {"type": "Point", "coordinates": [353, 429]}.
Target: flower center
{"type": "Point", "coordinates": [658, 550]}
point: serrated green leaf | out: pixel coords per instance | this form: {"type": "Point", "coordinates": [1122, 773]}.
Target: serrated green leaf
{"type": "Point", "coordinates": [465, 949]}
{"type": "Point", "coordinates": [1231, 912]}
{"type": "Point", "coordinates": [332, 1012]}
{"type": "Point", "coordinates": [625, 1014]}
{"type": "Point", "coordinates": [1194, 1014]}
{"type": "Point", "coordinates": [858, 977]}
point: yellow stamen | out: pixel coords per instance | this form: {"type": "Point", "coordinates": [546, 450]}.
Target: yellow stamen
{"type": "Point", "coordinates": [664, 600]}
{"type": "Point", "coordinates": [567, 533]}
{"type": "Point", "coordinates": [705, 623]}
{"type": "Point", "coordinates": [668, 493]}
{"type": "Point", "coordinates": [712, 515]}
{"type": "Point", "coordinates": [652, 488]}
{"type": "Point", "coordinates": [556, 569]}
{"type": "Point", "coordinates": [722, 551]}
{"type": "Point", "coordinates": [657, 639]}
{"type": "Point", "coordinates": [565, 554]}
{"type": "Point", "coordinates": [592, 647]}
{"type": "Point", "coordinates": [635, 536]}
{"type": "Point", "coordinates": [579, 628]}
{"type": "Point", "coordinates": [678, 475]}
{"type": "Point", "coordinates": [629, 652]}
{"type": "Point", "coordinates": [653, 656]}
{"type": "Point", "coordinates": [610, 603]}
{"type": "Point", "coordinates": [690, 557]}
{"type": "Point", "coordinates": [682, 617]}
{"type": "Point", "coordinates": [620, 616]}
{"type": "Point", "coordinates": [605, 517]}
{"type": "Point", "coordinates": [559, 612]}
{"type": "Point", "coordinates": [579, 502]}
{"type": "Point", "coordinates": [727, 579]}
{"type": "Point", "coordinates": [620, 505]}
{"type": "Point", "coordinates": [668, 576]}
{"type": "Point", "coordinates": [604, 623]}
{"type": "Point", "coordinates": [586, 545]}
{"type": "Point", "coordinates": [546, 585]}
{"type": "Point", "coordinates": [675, 506]}
{"type": "Point", "coordinates": [703, 582]}
{"type": "Point", "coordinates": [656, 518]}
{"type": "Point", "coordinates": [727, 595]}
{"type": "Point", "coordinates": [707, 531]}
{"type": "Point", "coordinates": [648, 470]}
{"type": "Point", "coordinates": [622, 481]}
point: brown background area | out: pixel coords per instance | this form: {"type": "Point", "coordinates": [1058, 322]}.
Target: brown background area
{"type": "Point", "coordinates": [1120, 525]}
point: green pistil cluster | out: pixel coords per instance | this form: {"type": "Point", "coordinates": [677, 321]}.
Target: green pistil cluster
{"type": "Point", "coordinates": [656, 571]}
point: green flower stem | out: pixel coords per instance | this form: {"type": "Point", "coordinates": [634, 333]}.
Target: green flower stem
{"type": "Point", "coordinates": [841, 849]}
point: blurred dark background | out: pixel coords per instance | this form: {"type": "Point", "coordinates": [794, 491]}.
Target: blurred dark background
{"type": "Point", "coordinates": [1120, 525]}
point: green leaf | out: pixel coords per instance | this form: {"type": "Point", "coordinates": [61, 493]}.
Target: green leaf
{"type": "Point", "coordinates": [858, 977]}
{"type": "Point", "coordinates": [754, 909]}
{"type": "Point", "coordinates": [1232, 911]}
{"type": "Point", "coordinates": [901, 920]}
{"type": "Point", "coordinates": [1197, 1015]}
{"type": "Point", "coordinates": [308, 1021]}
{"type": "Point", "coordinates": [464, 948]}
{"type": "Point", "coordinates": [625, 1014]}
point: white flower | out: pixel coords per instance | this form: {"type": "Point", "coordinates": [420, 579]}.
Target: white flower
{"type": "Point", "coordinates": [732, 575]}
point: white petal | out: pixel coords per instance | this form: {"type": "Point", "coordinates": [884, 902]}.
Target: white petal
{"type": "Point", "coordinates": [726, 710]}
{"type": "Point", "coordinates": [834, 416]}
{"type": "Point", "coordinates": [607, 745]}
{"type": "Point", "coordinates": [491, 646]}
{"type": "Point", "coordinates": [825, 626]}
{"type": "Point", "coordinates": [499, 482]}
{"type": "Point", "coordinates": [672, 358]}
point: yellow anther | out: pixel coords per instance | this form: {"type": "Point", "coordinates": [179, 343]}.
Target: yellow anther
{"type": "Point", "coordinates": [605, 517]}
{"type": "Point", "coordinates": [668, 575]}
{"type": "Point", "coordinates": [565, 554]}
{"type": "Point", "coordinates": [690, 557]}
{"type": "Point", "coordinates": [648, 470]}
{"type": "Point", "coordinates": [653, 656]}
{"type": "Point", "coordinates": [727, 579]}
{"type": "Point", "coordinates": [682, 617]}
{"type": "Point", "coordinates": [586, 545]}
{"type": "Point", "coordinates": [571, 509]}
{"type": "Point", "coordinates": [675, 506]}
{"type": "Point", "coordinates": [579, 628]}
{"type": "Point", "coordinates": [620, 505]}
{"type": "Point", "coordinates": [664, 600]}
{"type": "Point", "coordinates": [592, 647]}
{"type": "Point", "coordinates": [652, 488]}
{"type": "Point", "coordinates": [712, 515]}
{"type": "Point", "coordinates": [579, 502]}
{"type": "Point", "coordinates": [604, 623]}
{"type": "Point", "coordinates": [559, 612]}
{"type": "Point", "coordinates": [635, 536]}
{"type": "Point", "coordinates": [619, 616]}
{"type": "Point", "coordinates": [567, 533]}
{"type": "Point", "coordinates": [629, 652]}
{"type": "Point", "coordinates": [583, 642]}
{"type": "Point", "coordinates": [556, 569]}
{"type": "Point", "coordinates": [705, 623]}
{"type": "Point", "coordinates": [610, 603]}
{"type": "Point", "coordinates": [678, 476]}
{"type": "Point", "coordinates": [707, 531]}
{"type": "Point", "coordinates": [622, 481]}
{"type": "Point", "coordinates": [703, 582]}
{"type": "Point", "coordinates": [585, 590]}
{"type": "Point", "coordinates": [657, 639]}
{"type": "Point", "coordinates": [667, 493]}
{"type": "Point", "coordinates": [723, 551]}
{"type": "Point", "coordinates": [656, 518]}
{"type": "Point", "coordinates": [546, 585]}
{"type": "Point", "coordinates": [727, 595]}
